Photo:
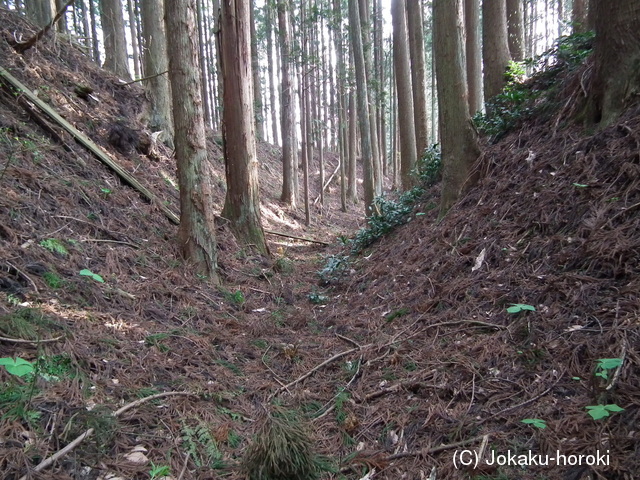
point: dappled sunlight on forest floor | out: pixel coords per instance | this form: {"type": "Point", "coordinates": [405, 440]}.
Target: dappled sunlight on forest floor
{"type": "Point", "coordinates": [402, 356]}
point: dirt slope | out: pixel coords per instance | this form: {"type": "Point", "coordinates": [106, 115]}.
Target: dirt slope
{"type": "Point", "coordinates": [420, 350]}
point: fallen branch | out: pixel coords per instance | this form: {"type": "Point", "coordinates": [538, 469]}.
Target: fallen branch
{"type": "Point", "coordinates": [22, 340]}
{"type": "Point", "coordinates": [142, 79]}
{"type": "Point", "coordinates": [337, 356]}
{"type": "Point", "coordinates": [62, 452]}
{"type": "Point", "coordinates": [85, 141]}
{"type": "Point", "coordinates": [271, 232]}
{"type": "Point", "coordinates": [324, 187]}
{"type": "Point", "coordinates": [440, 448]}
{"type": "Point", "coordinates": [24, 46]}
{"type": "Point", "coordinates": [522, 404]}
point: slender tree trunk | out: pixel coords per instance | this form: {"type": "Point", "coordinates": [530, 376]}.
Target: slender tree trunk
{"type": "Point", "coordinates": [418, 74]}
{"type": "Point", "coordinates": [408, 151]}
{"type": "Point", "coordinates": [373, 93]}
{"type": "Point", "coordinates": [579, 17]}
{"type": "Point", "coordinates": [352, 186]}
{"type": "Point", "coordinates": [62, 25]}
{"type": "Point", "coordinates": [203, 65]}
{"type": "Point", "coordinates": [95, 43]}
{"type": "Point", "coordinates": [289, 148]}
{"type": "Point", "coordinates": [270, 21]}
{"type": "Point", "coordinates": [473, 54]}
{"type": "Point", "coordinates": [616, 72]}
{"type": "Point", "coordinates": [515, 28]}
{"type": "Point", "coordinates": [156, 61]}
{"type": "Point", "coordinates": [495, 47]}
{"type": "Point", "coordinates": [242, 202]}
{"type": "Point", "coordinates": [196, 234]}
{"type": "Point", "coordinates": [133, 31]}
{"type": "Point", "coordinates": [115, 45]}
{"type": "Point", "coordinates": [255, 70]}
{"type": "Point", "coordinates": [459, 142]}
{"type": "Point", "coordinates": [363, 105]}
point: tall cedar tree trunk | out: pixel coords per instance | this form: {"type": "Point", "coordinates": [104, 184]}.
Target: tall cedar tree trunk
{"type": "Point", "coordinates": [515, 29]}
{"type": "Point", "coordinates": [473, 54]}
{"type": "Point", "coordinates": [289, 147]}
{"type": "Point", "coordinates": [95, 43]}
{"type": "Point", "coordinates": [418, 74]}
{"type": "Point", "coordinates": [115, 46]}
{"type": "Point", "coordinates": [62, 26]}
{"type": "Point", "coordinates": [373, 92]}
{"type": "Point", "coordinates": [133, 32]}
{"type": "Point", "coordinates": [408, 151]}
{"type": "Point", "coordinates": [495, 46]}
{"type": "Point", "coordinates": [579, 17]}
{"type": "Point", "coordinates": [196, 234]}
{"type": "Point", "coordinates": [202, 61]}
{"type": "Point", "coordinates": [270, 69]}
{"type": "Point", "coordinates": [157, 87]}
{"type": "Point", "coordinates": [616, 76]}
{"type": "Point", "coordinates": [362, 97]}
{"type": "Point", "coordinates": [242, 202]}
{"type": "Point", "coordinates": [352, 181]}
{"type": "Point", "coordinates": [255, 72]}
{"type": "Point", "coordinates": [459, 141]}
{"type": "Point", "coordinates": [40, 11]}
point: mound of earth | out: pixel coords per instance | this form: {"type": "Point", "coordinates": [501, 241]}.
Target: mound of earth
{"type": "Point", "coordinates": [408, 359]}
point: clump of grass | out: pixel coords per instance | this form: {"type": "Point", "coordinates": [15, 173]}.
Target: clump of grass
{"type": "Point", "coordinates": [282, 449]}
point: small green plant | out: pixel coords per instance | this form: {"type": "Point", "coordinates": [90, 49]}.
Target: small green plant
{"type": "Point", "coordinates": [156, 340]}
{"type": "Point", "coordinates": [317, 298]}
{"type": "Point", "coordinates": [282, 449]}
{"type": "Point", "coordinates": [53, 280]}
{"type": "Point", "coordinates": [158, 471]}
{"type": "Point", "coordinates": [605, 364]}
{"type": "Point", "coordinates": [336, 266]}
{"type": "Point", "coordinates": [230, 366]}
{"type": "Point", "coordinates": [17, 366]}
{"type": "Point", "coordinates": [599, 412]}
{"type": "Point", "coordinates": [520, 307]}
{"type": "Point", "coordinates": [198, 441]}
{"type": "Point", "coordinates": [88, 273]}
{"type": "Point", "coordinates": [396, 314]}
{"type": "Point", "coordinates": [106, 191]}
{"type": "Point", "coordinates": [54, 246]}
{"type": "Point", "coordinates": [535, 422]}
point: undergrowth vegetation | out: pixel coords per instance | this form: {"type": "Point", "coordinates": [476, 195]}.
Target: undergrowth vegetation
{"type": "Point", "coordinates": [520, 98]}
{"type": "Point", "coordinates": [388, 214]}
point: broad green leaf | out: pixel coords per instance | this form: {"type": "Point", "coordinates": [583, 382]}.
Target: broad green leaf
{"type": "Point", "coordinates": [536, 422]}
{"type": "Point", "coordinates": [18, 366]}
{"type": "Point", "coordinates": [519, 307]}
{"type": "Point", "coordinates": [609, 363]}
{"type": "Point", "coordinates": [599, 412]}
{"type": "Point", "coordinates": [89, 273]}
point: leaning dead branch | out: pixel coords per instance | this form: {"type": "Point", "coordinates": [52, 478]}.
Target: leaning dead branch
{"type": "Point", "coordinates": [78, 440]}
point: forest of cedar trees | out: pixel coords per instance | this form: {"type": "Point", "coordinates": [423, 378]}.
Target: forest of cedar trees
{"type": "Point", "coordinates": [319, 239]}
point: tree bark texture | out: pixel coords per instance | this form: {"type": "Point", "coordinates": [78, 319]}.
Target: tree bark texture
{"type": "Point", "coordinates": [459, 141]}
{"type": "Point", "coordinates": [408, 151]}
{"type": "Point", "coordinates": [515, 29]}
{"type": "Point", "coordinates": [115, 43]}
{"type": "Point", "coordinates": [242, 202]}
{"type": "Point", "coordinates": [362, 100]}
{"type": "Point", "coordinates": [418, 74]}
{"type": "Point", "coordinates": [473, 54]}
{"type": "Point", "coordinates": [495, 46]}
{"type": "Point", "coordinates": [616, 76]}
{"type": "Point", "coordinates": [287, 121]}
{"type": "Point", "coordinates": [196, 234]}
{"type": "Point", "coordinates": [155, 60]}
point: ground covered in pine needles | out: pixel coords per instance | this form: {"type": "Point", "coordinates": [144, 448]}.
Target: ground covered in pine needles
{"type": "Point", "coordinates": [437, 340]}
